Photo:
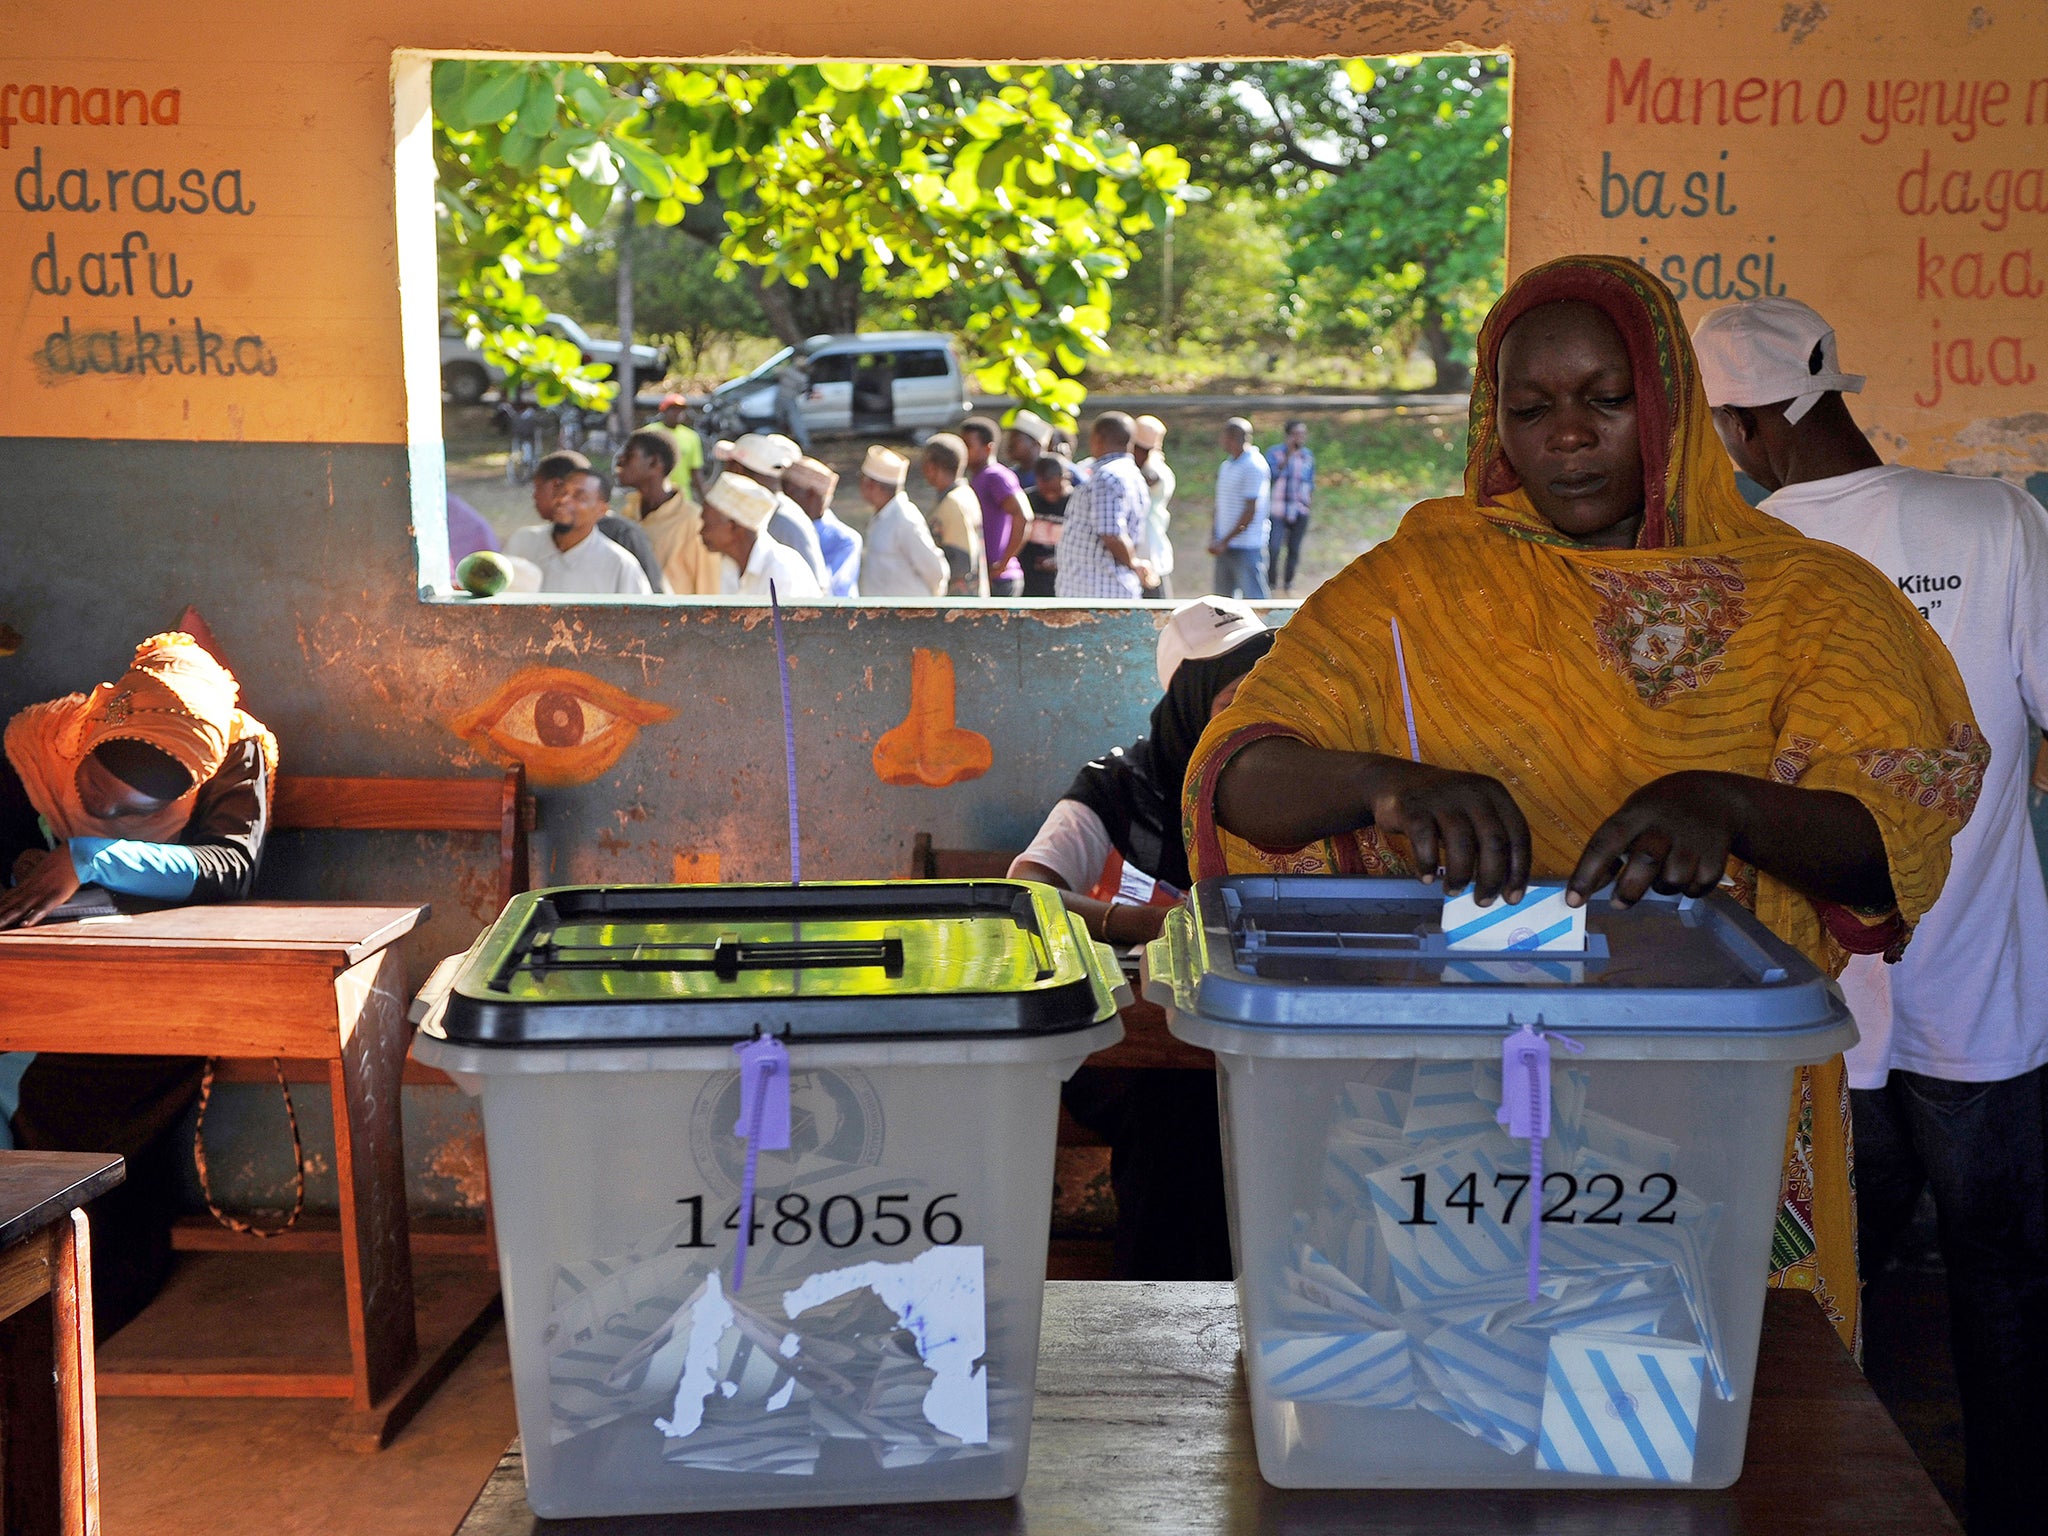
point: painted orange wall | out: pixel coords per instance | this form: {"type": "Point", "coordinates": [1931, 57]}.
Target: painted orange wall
{"type": "Point", "coordinates": [1893, 228]}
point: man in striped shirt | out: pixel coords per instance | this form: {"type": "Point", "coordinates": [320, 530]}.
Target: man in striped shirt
{"type": "Point", "coordinates": [1106, 521]}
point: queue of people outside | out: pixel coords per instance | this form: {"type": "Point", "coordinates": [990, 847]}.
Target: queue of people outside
{"type": "Point", "coordinates": [1014, 512]}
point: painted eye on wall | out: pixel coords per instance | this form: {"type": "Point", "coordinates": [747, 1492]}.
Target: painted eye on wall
{"type": "Point", "coordinates": [563, 726]}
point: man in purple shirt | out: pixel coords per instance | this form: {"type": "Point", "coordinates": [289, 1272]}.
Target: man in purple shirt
{"type": "Point", "coordinates": [468, 533]}
{"type": "Point", "coordinates": [1005, 510]}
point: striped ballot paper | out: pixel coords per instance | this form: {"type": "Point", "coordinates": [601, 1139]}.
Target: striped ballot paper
{"type": "Point", "coordinates": [1540, 923]}
{"type": "Point", "coordinates": [1621, 1405]}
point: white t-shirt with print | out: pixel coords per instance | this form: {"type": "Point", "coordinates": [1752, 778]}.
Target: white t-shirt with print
{"type": "Point", "coordinates": [1969, 1002]}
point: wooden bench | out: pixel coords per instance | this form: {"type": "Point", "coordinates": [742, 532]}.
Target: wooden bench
{"type": "Point", "coordinates": [499, 807]}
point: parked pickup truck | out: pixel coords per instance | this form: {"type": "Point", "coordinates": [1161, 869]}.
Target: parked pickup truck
{"type": "Point", "coordinates": [465, 375]}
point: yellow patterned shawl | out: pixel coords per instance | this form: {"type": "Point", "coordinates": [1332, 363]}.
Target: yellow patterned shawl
{"type": "Point", "coordinates": [1575, 676]}
{"type": "Point", "coordinates": [174, 696]}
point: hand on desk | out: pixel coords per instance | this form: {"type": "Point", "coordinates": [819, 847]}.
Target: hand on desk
{"type": "Point", "coordinates": [43, 884]}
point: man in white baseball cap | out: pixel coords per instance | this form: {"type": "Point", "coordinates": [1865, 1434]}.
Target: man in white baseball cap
{"type": "Point", "coordinates": [764, 457]}
{"type": "Point", "coordinates": [737, 513]}
{"type": "Point", "coordinates": [1949, 1086]}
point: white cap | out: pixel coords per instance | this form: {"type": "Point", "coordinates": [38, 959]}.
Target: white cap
{"type": "Point", "coordinates": [1148, 432]}
{"type": "Point", "coordinates": [1762, 351]}
{"type": "Point", "coordinates": [1033, 426]}
{"type": "Point", "coordinates": [1207, 627]}
{"type": "Point", "coordinates": [884, 467]}
{"type": "Point", "coordinates": [747, 503]}
{"type": "Point", "coordinates": [766, 453]}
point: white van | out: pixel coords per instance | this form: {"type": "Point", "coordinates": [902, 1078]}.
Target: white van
{"type": "Point", "coordinates": [877, 383]}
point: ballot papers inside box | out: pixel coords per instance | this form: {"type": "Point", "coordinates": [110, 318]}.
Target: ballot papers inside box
{"type": "Point", "coordinates": [1396, 1333]}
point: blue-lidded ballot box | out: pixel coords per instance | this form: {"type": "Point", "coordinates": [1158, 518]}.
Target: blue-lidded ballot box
{"type": "Point", "coordinates": [1402, 1114]}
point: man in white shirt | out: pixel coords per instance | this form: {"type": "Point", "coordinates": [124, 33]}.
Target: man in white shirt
{"type": "Point", "coordinates": [1148, 452]}
{"type": "Point", "coordinates": [571, 554]}
{"type": "Point", "coordinates": [901, 559]}
{"type": "Point", "coordinates": [764, 457]}
{"type": "Point", "coordinates": [736, 516]}
{"type": "Point", "coordinates": [1244, 485]}
{"type": "Point", "coordinates": [1949, 1087]}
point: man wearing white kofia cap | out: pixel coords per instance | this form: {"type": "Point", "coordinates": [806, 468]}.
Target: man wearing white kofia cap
{"type": "Point", "coordinates": [901, 558]}
{"type": "Point", "coordinates": [1148, 452]}
{"type": "Point", "coordinates": [736, 516]}
{"type": "Point", "coordinates": [764, 458]}
{"type": "Point", "coordinates": [1949, 1086]}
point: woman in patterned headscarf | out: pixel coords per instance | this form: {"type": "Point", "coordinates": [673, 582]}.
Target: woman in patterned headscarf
{"type": "Point", "coordinates": [154, 785]}
{"type": "Point", "coordinates": [1619, 671]}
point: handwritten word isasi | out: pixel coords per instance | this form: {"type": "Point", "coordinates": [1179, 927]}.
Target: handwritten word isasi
{"type": "Point", "coordinates": [138, 352]}
{"type": "Point", "coordinates": [97, 106]}
{"type": "Point", "coordinates": [1716, 275]}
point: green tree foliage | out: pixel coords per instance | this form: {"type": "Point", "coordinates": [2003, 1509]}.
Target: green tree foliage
{"type": "Point", "coordinates": [1388, 178]}
{"type": "Point", "coordinates": [894, 173]}
{"type": "Point", "coordinates": [1411, 235]}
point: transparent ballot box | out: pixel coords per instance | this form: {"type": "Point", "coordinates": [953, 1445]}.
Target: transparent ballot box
{"type": "Point", "coordinates": [1403, 1118]}
{"type": "Point", "coordinates": [880, 1065]}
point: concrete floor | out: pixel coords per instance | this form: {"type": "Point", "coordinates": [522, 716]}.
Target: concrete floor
{"type": "Point", "coordinates": [265, 1467]}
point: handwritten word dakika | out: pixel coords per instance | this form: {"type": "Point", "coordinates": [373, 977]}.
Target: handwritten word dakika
{"type": "Point", "coordinates": [1752, 101]}
{"type": "Point", "coordinates": [2003, 192]}
{"type": "Point", "coordinates": [99, 105]}
{"type": "Point", "coordinates": [97, 277]}
{"type": "Point", "coordinates": [1974, 275]}
{"type": "Point", "coordinates": [1705, 276]}
{"type": "Point", "coordinates": [70, 190]}
{"type": "Point", "coordinates": [1955, 361]}
{"type": "Point", "coordinates": [138, 352]}
{"type": "Point", "coordinates": [1960, 108]}
{"type": "Point", "coordinates": [1643, 196]}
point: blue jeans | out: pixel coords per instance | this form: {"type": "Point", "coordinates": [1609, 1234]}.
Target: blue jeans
{"type": "Point", "coordinates": [1241, 573]}
{"type": "Point", "coordinates": [1284, 539]}
{"type": "Point", "coordinates": [1983, 1149]}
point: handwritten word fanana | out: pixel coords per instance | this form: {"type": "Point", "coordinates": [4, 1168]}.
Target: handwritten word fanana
{"type": "Point", "coordinates": [1753, 101]}
{"type": "Point", "coordinates": [147, 190]}
{"type": "Point", "coordinates": [100, 106]}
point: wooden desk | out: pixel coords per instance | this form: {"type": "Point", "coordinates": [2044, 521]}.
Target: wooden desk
{"type": "Point", "coordinates": [1142, 1426]}
{"type": "Point", "coordinates": [49, 1460]}
{"type": "Point", "coordinates": [288, 979]}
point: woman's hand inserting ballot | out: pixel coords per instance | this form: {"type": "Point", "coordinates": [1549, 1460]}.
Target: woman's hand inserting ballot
{"type": "Point", "coordinates": [1282, 793]}
{"type": "Point", "coordinates": [1676, 834]}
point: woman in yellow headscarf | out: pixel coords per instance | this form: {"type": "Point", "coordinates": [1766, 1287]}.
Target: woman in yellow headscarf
{"type": "Point", "coordinates": [1619, 670]}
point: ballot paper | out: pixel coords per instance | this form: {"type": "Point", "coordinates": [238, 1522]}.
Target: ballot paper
{"type": "Point", "coordinates": [1621, 1405]}
{"type": "Point", "coordinates": [1407, 1287]}
{"type": "Point", "coordinates": [1540, 923]}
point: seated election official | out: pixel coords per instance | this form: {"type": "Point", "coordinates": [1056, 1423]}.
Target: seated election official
{"type": "Point", "coordinates": [1112, 845]}
{"type": "Point", "coordinates": [153, 786]}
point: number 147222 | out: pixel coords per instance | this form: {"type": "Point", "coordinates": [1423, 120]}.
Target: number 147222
{"type": "Point", "coordinates": [1603, 1200]}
